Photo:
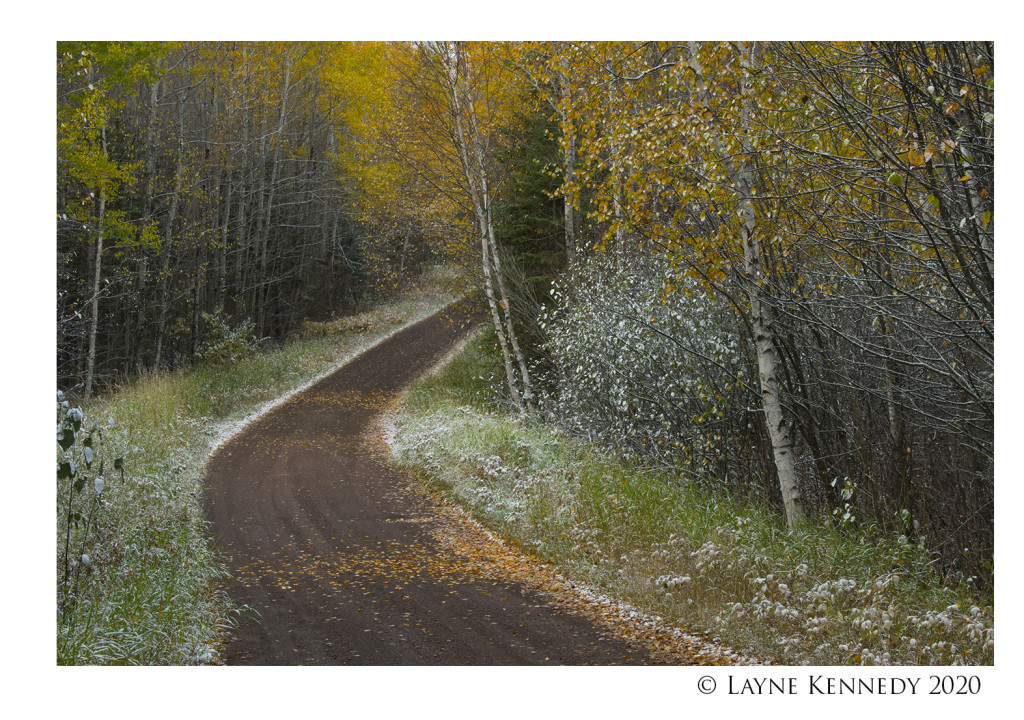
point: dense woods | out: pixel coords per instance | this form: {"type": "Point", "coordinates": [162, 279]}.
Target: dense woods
{"type": "Point", "coordinates": [200, 186]}
{"type": "Point", "coordinates": [837, 202]}
{"type": "Point", "coordinates": [767, 265]}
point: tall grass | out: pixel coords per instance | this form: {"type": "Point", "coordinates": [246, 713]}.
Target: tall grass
{"type": "Point", "coordinates": [149, 587]}
{"type": "Point", "coordinates": [706, 562]}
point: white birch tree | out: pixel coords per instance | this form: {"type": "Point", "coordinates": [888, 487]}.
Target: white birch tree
{"type": "Point", "coordinates": [740, 174]}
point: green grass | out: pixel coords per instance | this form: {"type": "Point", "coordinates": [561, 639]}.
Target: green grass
{"type": "Point", "coordinates": [151, 592]}
{"type": "Point", "coordinates": [705, 562]}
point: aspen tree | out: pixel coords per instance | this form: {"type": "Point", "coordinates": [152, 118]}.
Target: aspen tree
{"type": "Point", "coordinates": [263, 286]}
{"type": "Point", "coordinates": [740, 173]}
{"type": "Point", "coordinates": [438, 129]}
{"type": "Point", "coordinates": [95, 303]}
{"type": "Point", "coordinates": [167, 246]}
{"type": "Point", "coordinates": [470, 145]}
{"type": "Point", "coordinates": [224, 151]}
{"type": "Point", "coordinates": [672, 110]}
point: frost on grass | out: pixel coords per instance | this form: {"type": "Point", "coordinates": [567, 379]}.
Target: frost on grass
{"type": "Point", "coordinates": [141, 591]}
{"type": "Point", "coordinates": [694, 561]}
{"type": "Point", "coordinates": [378, 326]}
{"type": "Point", "coordinates": [502, 495]}
{"type": "Point", "coordinates": [149, 590]}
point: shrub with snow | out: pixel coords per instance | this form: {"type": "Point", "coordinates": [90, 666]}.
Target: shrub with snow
{"type": "Point", "coordinates": [645, 360]}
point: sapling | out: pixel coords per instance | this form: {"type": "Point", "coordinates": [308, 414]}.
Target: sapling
{"type": "Point", "coordinates": [78, 453]}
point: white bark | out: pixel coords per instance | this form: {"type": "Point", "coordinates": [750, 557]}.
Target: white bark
{"type": "Point", "coordinates": [264, 285]}
{"type": "Point", "coordinates": [570, 176]}
{"type": "Point", "coordinates": [620, 233]}
{"type": "Point", "coordinates": [222, 257]}
{"type": "Point", "coordinates": [242, 239]}
{"type": "Point", "coordinates": [563, 104]}
{"type": "Point", "coordinates": [90, 361]}
{"type": "Point", "coordinates": [471, 154]}
{"type": "Point", "coordinates": [779, 427]}
{"type": "Point", "coordinates": [496, 259]}
{"type": "Point", "coordinates": [165, 248]}
{"type": "Point", "coordinates": [510, 376]}
{"type": "Point", "coordinates": [150, 175]}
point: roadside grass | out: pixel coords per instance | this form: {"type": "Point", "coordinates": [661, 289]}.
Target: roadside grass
{"type": "Point", "coordinates": [708, 563]}
{"type": "Point", "coordinates": [147, 585]}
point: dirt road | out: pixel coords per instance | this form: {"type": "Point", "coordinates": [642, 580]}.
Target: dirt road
{"type": "Point", "coordinates": [349, 561]}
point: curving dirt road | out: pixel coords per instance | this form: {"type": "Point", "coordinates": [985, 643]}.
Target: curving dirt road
{"type": "Point", "coordinates": [350, 562]}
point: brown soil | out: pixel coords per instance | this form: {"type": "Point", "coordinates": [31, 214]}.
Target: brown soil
{"type": "Point", "coordinates": [347, 561]}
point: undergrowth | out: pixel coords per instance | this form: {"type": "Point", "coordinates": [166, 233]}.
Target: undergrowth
{"type": "Point", "coordinates": [138, 580]}
{"type": "Point", "coordinates": [707, 562]}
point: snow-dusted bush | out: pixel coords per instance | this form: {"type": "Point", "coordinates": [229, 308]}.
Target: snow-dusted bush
{"type": "Point", "coordinates": [645, 360]}
{"type": "Point", "coordinates": [226, 344]}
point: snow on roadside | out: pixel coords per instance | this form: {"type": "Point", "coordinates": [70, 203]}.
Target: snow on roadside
{"type": "Point", "coordinates": [385, 423]}
{"type": "Point", "coordinates": [224, 431]}
{"type": "Point", "coordinates": [625, 619]}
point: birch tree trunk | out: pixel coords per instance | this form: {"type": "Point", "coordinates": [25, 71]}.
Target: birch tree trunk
{"type": "Point", "coordinates": [485, 243]}
{"type": "Point", "coordinates": [620, 233]}
{"type": "Point", "coordinates": [563, 104]}
{"type": "Point", "coordinates": [147, 212]}
{"type": "Point", "coordinates": [222, 253]}
{"type": "Point", "coordinates": [264, 290]}
{"type": "Point", "coordinates": [570, 176]}
{"type": "Point", "coordinates": [254, 286]}
{"type": "Point", "coordinates": [242, 236]}
{"type": "Point", "coordinates": [330, 234]}
{"type": "Point", "coordinates": [779, 427]}
{"type": "Point", "coordinates": [496, 259]}
{"type": "Point", "coordinates": [90, 361]}
{"type": "Point", "coordinates": [471, 153]}
{"type": "Point", "coordinates": [165, 248]}
{"type": "Point", "coordinates": [740, 172]}
{"type": "Point", "coordinates": [513, 386]}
